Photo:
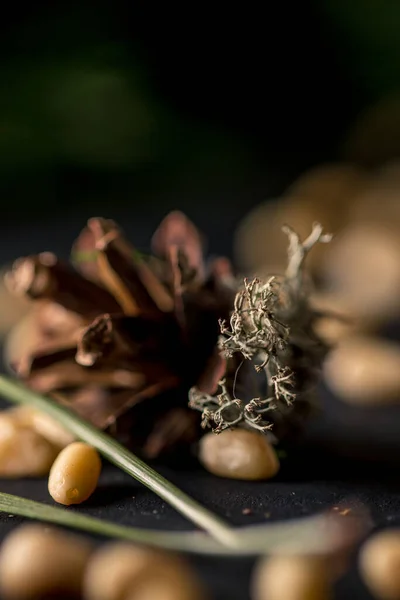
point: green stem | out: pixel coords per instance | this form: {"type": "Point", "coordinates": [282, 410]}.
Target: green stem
{"type": "Point", "coordinates": [196, 542]}
{"type": "Point", "coordinates": [122, 458]}
{"type": "Point", "coordinates": [309, 535]}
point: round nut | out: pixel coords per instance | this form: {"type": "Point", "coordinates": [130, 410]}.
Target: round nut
{"type": "Point", "coordinates": [20, 342]}
{"type": "Point", "coordinates": [43, 424]}
{"type": "Point", "coordinates": [379, 564]}
{"type": "Point", "coordinates": [291, 578]}
{"type": "Point", "coordinates": [37, 562]}
{"type": "Point", "coordinates": [119, 571]}
{"type": "Point", "coordinates": [23, 452]}
{"type": "Point", "coordinates": [374, 137]}
{"type": "Point", "coordinates": [363, 268]}
{"type": "Point", "coordinates": [51, 430]}
{"type": "Point", "coordinates": [168, 585]}
{"type": "Point", "coordinates": [364, 370]}
{"type": "Point", "coordinates": [238, 454]}
{"type": "Point", "coordinates": [13, 308]}
{"type": "Point", "coordinates": [332, 330]}
{"type": "Point", "coordinates": [323, 194]}
{"type": "Point", "coordinates": [74, 474]}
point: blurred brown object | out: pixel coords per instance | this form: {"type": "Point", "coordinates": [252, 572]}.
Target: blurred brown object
{"type": "Point", "coordinates": [11, 309]}
{"type": "Point", "coordinates": [362, 268]}
{"type": "Point", "coordinates": [364, 370]}
{"type": "Point", "coordinates": [380, 201]}
{"type": "Point", "coordinates": [238, 454]}
{"type": "Point", "coordinates": [379, 564]}
{"type": "Point", "coordinates": [119, 571]}
{"type": "Point", "coordinates": [338, 318]}
{"type": "Point", "coordinates": [374, 138]}
{"type": "Point", "coordinates": [38, 561]}
{"type": "Point", "coordinates": [25, 338]}
{"type": "Point", "coordinates": [323, 194]}
{"type": "Point", "coordinates": [334, 329]}
{"type": "Point", "coordinates": [123, 348]}
{"type": "Point", "coordinates": [23, 451]}
{"type": "Point", "coordinates": [291, 578]}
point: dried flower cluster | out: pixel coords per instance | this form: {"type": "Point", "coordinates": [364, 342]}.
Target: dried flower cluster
{"type": "Point", "coordinates": [271, 327]}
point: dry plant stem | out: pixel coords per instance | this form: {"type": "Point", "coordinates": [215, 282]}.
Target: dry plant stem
{"type": "Point", "coordinates": [125, 460]}
{"type": "Point", "coordinates": [298, 250]}
{"type": "Point", "coordinates": [316, 535]}
{"type": "Point", "coordinates": [270, 326]}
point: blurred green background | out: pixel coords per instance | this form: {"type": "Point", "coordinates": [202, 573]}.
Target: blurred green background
{"type": "Point", "coordinates": [149, 107]}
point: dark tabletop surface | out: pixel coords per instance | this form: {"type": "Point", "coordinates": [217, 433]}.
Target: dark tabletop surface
{"type": "Point", "coordinates": [348, 455]}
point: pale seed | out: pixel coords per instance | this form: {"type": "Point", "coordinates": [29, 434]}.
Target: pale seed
{"type": "Point", "coordinates": [121, 571]}
{"type": "Point", "coordinates": [37, 562]}
{"type": "Point", "coordinates": [238, 454]}
{"type": "Point", "coordinates": [291, 578]}
{"type": "Point", "coordinates": [379, 564]}
{"type": "Point", "coordinates": [74, 474]}
{"type": "Point", "coordinates": [23, 452]}
{"type": "Point", "coordinates": [363, 267]}
{"type": "Point", "coordinates": [364, 370]}
{"type": "Point", "coordinates": [43, 424]}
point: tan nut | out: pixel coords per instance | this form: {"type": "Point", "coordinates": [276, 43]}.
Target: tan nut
{"type": "Point", "coordinates": [323, 194]}
{"type": "Point", "coordinates": [363, 268]}
{"type": "Point", "coordinates": [379, 564]}
{"type": "Point", "coordinates": [74, 474]}
{"type": "Point", "coordinates": [43, 424]}
{"type": "Point", "coordinates": [23, 452]}
{"type": "Point", "coordinates": [122, 571]}
{"type": "Point", "coordinates": [291, 578]}
{"type": "Point", "coordinates": [238, 454]}
{"type": "Point", "coordinates": [38, 561]}
{"type": "Point", "coordinates": [364, 370]}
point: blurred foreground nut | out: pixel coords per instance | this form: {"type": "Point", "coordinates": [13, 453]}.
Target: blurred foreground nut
{"type": "Point", "coordinates": [363, 267]}
{"type": "Point", "coordinates": [23, 452]}
{"type": "Point", "coordinates": [332, 330]}
{"type": "Point", "coordinates": [22, 338]}
{"type": "Point", "coordinates": [379, 564]}
{"type": "Point", "coordinates": [379, 203]}
{"type": "Point", "coordinates": [375, 135]}
{"type": "Point", "coordinates": [121, 571]}
{"type": "Point", "coordinates": [74, 474]}
{"type": "Point", "coordinates": [364, 370]}
{"type": "Point", "coordinates": [148, 587]}
{"type": "Point", "coordinates": [12, 309]}
{"type": "Point", "coordinates": [291, 578]}
{"type": "Point", "coordinates": [38, 562]}
{"type": "Point", "coordinates": [51, 430]}
{"type": "Point", "coordinates": [47, 325]}
{"type": "Point", "coordinates": [338, 319]}
{"type": "Point", "coordinates": [323, 194]}
{"type": "Point", "coordinates": [238, 454]}
{"type": "Point", "coordinates": [44, 425]}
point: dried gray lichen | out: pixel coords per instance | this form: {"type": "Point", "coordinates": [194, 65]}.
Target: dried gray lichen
{"type": "Point", "coordinates": [270, 329]}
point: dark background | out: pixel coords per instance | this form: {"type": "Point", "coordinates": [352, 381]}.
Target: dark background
{"type": "Point", "coordinates": [129, 110]}
{"type": "Point", "coordinates": [146, 106]}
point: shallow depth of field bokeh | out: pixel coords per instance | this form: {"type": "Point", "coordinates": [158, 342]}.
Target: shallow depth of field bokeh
{"type": "Point", "coordinates": [142, 108]}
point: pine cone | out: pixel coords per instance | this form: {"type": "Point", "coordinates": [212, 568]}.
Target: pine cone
{"type": "Point", "coordinates": [120, 338]}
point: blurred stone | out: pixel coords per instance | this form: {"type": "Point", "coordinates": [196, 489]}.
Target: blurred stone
{"type": "Point", "coordinates": [374, 138]}
{"type": "Point", "coordinates": [11, 309]}
{"type": "Point", "coordinates": [364, 370]}
{"type": "Point", "coordinates": [238, 454]}
{"type": "Point", "coordinates": [363, 268]}
{"type": "Point", "coordinates": [323, 194]}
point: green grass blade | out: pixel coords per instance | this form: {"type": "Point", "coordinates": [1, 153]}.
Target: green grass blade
{"type": "Point", "coordinates": [309, 535]}
{"type": "Point", "coordinates": [117, 454]}
{"type": "Point", "coordinates": [196, 542]}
